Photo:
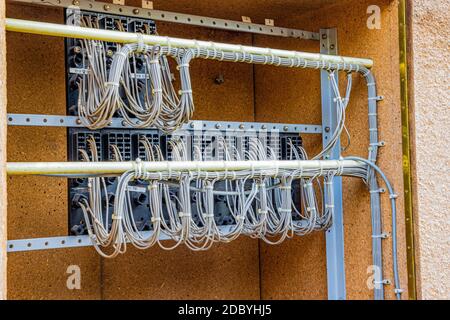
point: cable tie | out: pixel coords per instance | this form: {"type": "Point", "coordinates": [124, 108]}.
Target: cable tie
{"type": "Point", "coordinates": [373, 129]}
{"type": "Point", "coordinates": [114, 84]}
{"type": "Point", "coordinates": [169, 44]}
{"type": "Point", "coordinates": [378, 191]}
{"type": "Point", "coordinates": [260, 211]}
{"type": "Point", "coordinates": [399, 291]}
{"type": "Point", "coordinates": [330, 206]}
{"type": "Point", "coordinates": [285, 188]}
{"type": "Point", "coordinates": [156, 219]}
{"type": "Point", "coordinates": [182, 214]}
{"type": "Point", "coordinates": [373, 114]}
{"type": "Point", "coordinates": [393, 196]}
{"type": "Point", "coordinates": [381, 236]}
{"type": "Point", "coordinates": [385, 282]}
{"type": "Point", "coordinates": [284, 210]}
{"type": "Point", "coordinates": [371, 84]}
{"type": "Point", "coordinates": [377, 98]}
{"type": "Point", "coordinates": [183, 65]}
{"type": "Point", "coordinates": [141, 45]}
{"type": "Point", "coordinates": [184, 91]}
{"type": "Point", "coordinates": [208, 215]}
{"type": "Point", "coordinates": [116, 217]}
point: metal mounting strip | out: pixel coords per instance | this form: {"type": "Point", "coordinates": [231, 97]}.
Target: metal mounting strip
{"type": "Point", "coordinates": [70, 242]}
{"type": "Point", "coordinates": [334, 235]}
{"type": "Point", "coordinates": [36, 120]}
{"type": "Point", "coordinates": [174, 17]}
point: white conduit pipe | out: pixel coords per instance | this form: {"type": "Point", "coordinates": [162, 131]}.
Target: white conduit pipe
{"type": "Point", "coordinates": [59, 30]}
{"type": "Point", "coordinates": [114, 168]}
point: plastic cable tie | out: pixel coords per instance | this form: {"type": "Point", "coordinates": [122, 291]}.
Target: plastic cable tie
{"type": "Point", "coordinates": [381, 236]}
{"type": "Point", "coordinates": [141, 44]}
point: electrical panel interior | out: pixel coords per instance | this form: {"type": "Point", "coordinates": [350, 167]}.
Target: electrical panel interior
{"type": "Point", "coordinates": [125, 145]}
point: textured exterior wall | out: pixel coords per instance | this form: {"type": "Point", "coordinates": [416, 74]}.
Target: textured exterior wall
{"type": "Point", "coordinates": [431, 67]}
{"type": "Point", "coordinates": [2, 153]}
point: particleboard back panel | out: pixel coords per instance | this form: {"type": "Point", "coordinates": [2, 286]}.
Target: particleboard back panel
{"type": "Point", "coordinates": [226, 271]}
{"type": "Point", "coordinates": [39, 87]}
{"type": "Point", "coordinates": [38, 206]}
{"type": "Point", "coordinates": [297, 269]}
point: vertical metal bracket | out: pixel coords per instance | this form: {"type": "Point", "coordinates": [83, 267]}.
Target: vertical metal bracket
{"type": "Point", "coordinates": [334, 235]}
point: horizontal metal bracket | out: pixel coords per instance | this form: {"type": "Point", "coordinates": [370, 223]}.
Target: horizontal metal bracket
{"type": "Point", "coordinates": [66, 242]}
{"type": "Point", "coordinates": [174, 17]}
{"type": "Point", "coordinates": [71, 241]}
{"type": "Point", "coordinates": [36, 120]}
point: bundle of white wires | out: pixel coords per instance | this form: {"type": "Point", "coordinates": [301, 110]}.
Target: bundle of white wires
{"type": "Point", "coordinates": [260, 202]}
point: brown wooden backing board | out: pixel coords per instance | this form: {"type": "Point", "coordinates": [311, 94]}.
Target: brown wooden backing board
{"type": "Point", "coordinates": [227, 271]}
{"type": "Point", "coordinates": [38, 206]}
{"type": "Point", "coordinates": [296, 269]}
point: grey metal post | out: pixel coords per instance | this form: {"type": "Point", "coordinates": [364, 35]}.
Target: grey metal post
{"type": "Point", "coordinates": [335, 235]}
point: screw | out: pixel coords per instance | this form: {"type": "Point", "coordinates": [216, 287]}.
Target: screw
{"type": "Point", "coordinates": [106, 7]}
{"type": "Point", "coordinates": [78, 121]}
{"type": "Point", "coordinates": [324, 36]}
{"type": "Point", "coordinates": [327, 129]}
{"type": "Point", "coordinates": [264, 127]}
{"type": "Point", "coordinates": [136, 11]}
{"type": "Point", "coordinates": [286, 128]}
{"type": "Point", "coordinates": [192, 125]}
{"type": "Point", "coordinates": [75, 2]}
{"type": "Point", "coordinates": [77, 49]}
{"type": "Point", "coordinates": [219, 79]}
{"type": "Point", "coordinates": [242, 127]}
{"type": "Point", "coordinates": [218, 126]}
{"type": "Point", "coordinates": [109, 53]}
{"type": "Point", "coordinates": [332, 47]}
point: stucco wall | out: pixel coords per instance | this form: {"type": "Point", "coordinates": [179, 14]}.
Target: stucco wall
{"type": "Point", "coordinates": [431, 67]}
